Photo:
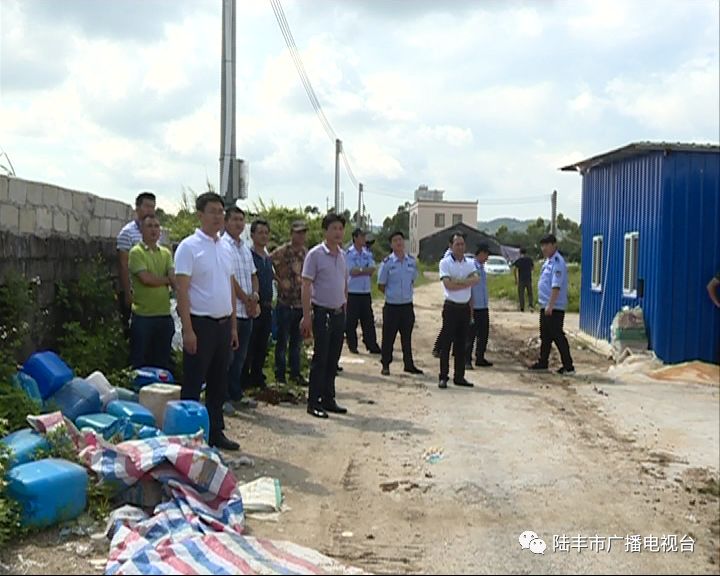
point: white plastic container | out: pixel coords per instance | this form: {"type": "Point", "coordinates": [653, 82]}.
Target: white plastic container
{"type": "Point", "coordinates": [105, 389]}
{"type": "Point", "coordinates": [156, 396]}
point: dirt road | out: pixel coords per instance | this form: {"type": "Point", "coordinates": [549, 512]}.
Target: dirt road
{"type": "Point", "coordinates": [561, 456]}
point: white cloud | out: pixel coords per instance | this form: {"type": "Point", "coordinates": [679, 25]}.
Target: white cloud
{"type": "Point", "coordinates": [483, 100]}
{"type": "Point", "coordinates": [680, 104]}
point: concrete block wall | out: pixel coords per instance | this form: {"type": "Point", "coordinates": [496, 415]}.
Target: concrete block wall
{"type": "Point", "coordinates": [28, 207]}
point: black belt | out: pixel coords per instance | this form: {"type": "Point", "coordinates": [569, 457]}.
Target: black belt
{"type": "Point", "coordinates": [458, 304]}
{"type": "Point", "coordinates": [218, 320]}
{"type": "Point", "coordinates": [333, 311]}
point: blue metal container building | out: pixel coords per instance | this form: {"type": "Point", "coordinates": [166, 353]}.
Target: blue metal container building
{"type": "Point", "coordinates": [651, 238]}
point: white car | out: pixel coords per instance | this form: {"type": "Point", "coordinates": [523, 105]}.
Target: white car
{"type": "Point", "coordinates": [497, 265]}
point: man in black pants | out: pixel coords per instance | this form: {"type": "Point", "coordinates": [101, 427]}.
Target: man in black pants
{"type": "Point", "coordinates": [324, 297]}
{"type": "Point", "coordinates": [523, 269]}
{"type": "Point", "coordinates": [253, 375]}
{"type": "Point", "coordinates": [396, 280]}
{"type": "Point", "coordinates": [458, 276]}
{"type": "Point", "coordinates": [206, 305]}
{"type": "Point", "coordinates": [480, 328]}
{"type": "Point", "coordinates": [440, 336]}
{"type": "Point", "coordinates": [361, 265]}
{"type": "Point", "coordinates": [553, 297]}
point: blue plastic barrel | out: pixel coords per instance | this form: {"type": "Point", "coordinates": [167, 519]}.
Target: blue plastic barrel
{"type": "Point", "coordinates": [27, 383]}
{"type": "Point", "coordinates": [23, 445]}
{"type": "Point", "coordinates": [76, 398]}
{"type": "Point", "coordinates": [105, 424]}
{"type": "Point", "coordinates": [150, 375]}
{"type": "Point", "coordinates": [186, 417]}
{"type": "Point", "coordinates": [49, 491]}
{"type": "Point", "coordinates": [136, 413]}
{"type": "Point", "coordinates": [49, 371]}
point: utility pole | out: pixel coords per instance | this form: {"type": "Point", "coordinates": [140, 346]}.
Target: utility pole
{"type": "Point", "coordinates": [553, 221]}
{"type": "Point", "coordinates": [359, 212]}
{"type": "Point", "coordinates": [227, 101]}
{"type": "Point", "coordinates": [338, 150]}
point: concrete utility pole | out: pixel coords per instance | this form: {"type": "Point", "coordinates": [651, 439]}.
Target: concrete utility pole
{"type": "Point", "coordinates": [553, 220]}
{"type": "Point", "coordinates": [338, 150]}
{"type": "Point", "coordinates": [359, 212]}
{"type": "Point", "coordinates": [227, 99]}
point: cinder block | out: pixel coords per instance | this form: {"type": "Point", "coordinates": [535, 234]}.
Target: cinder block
{"type": "Point", "coordinates": [94, 227]}
{"type": "Point", "coordinates": [73, 225]}
{"type": "Point", "coordinates": [106, 228]}
{"type": "Point", "coordinates": [65, 199]}
{"type": "Point", "coordinates": [44, 219]}
{"type": "Point", "coordinates": [81, 203]}
{"type": "Point", "coordinates": [100, 207]}
{"type": "Point", "coordinates": [9, 217]}
{"type": "Point", "coordinates": [18, 191]}
{"type": "Point", "coordinates": [50, 196]}
{"type": "Point", "coordinates": [116, 227]}
{"type": "Point", "coordinates": [4, 188]}
{"type": "Point", "coordinates": [28, 220]}
{"type": "Point", "coordinates": [60, 222]}
{"type": "Point", "coordinates": [35, 193]}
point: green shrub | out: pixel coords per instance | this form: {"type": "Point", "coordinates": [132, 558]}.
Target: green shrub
{"type": "Point", "coordinates": [9, 509]}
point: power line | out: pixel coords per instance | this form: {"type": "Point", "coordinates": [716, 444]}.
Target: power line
{"type": "Point", "coordinates": [299, 66]}
{"type": "Point", "coordinates": [304, 78]}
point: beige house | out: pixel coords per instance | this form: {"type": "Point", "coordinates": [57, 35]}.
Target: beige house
{"type": "Point", "coordinates": [430, 213]}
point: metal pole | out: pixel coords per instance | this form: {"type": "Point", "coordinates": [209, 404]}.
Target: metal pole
{"type": "Point", "coordinates": [553, 228]}
{"type": "Point", "coordinates": [227, 99]}
{"type": "Point", "coordinates": [338, 149]}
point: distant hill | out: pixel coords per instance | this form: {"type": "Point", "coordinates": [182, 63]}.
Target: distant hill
{"type": "Point", "coordinates": [513, 224]}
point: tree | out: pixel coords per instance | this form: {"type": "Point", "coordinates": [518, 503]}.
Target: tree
{"type": "Point", "coordinates": [399, 221]}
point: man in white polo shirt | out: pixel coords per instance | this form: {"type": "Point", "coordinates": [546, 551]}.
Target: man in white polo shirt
{"type": "Point", "coordinates": [207, 308]}
{"type": "Point", "coordinates": [458, 276]}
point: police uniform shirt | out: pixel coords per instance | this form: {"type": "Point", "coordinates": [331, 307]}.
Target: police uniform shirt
{"type": "Point", "coordinates": [362, 259]}
{"type": "Point", "coordinates": [480, 295]}
{"type": "Point", "coordinates": [398, 275]}
{"type": "Point", "coordinates": [553, 275]}
{"type": "Point", "coordinates": [457, 270]}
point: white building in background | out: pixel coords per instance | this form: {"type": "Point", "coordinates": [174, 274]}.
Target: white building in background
{"type": "Point", "coordinates": [430, 213]}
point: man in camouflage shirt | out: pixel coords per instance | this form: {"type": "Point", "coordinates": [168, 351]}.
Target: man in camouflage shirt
{"type": "Point", "coordinates": [288, 262]}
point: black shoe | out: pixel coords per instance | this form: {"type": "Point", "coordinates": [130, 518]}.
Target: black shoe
{"type": "Point", "coordinates": [385, 371]}
{"type": "Point", "coordinates": [564, 370]}
{"type": "Point", "coordinates": [436, 353]}
{"type": "Point", "coordinates": [339, 369]}
{"type": "Point", "coordinates": [279, 380]}
{"type": "Point", "coordinates": [463, 382]}
{"type": "Point", "coordinates": [334, 407]}
{"type": "Point", "coordinates": [413, 370]}
{"type": "Point", "coordinates": [299, 380]}
{"type": "Point", "coordinates": [317, 412]}
{"type": "Point", "coordinates": [483, 363]}
{"type": "Point", "coordinates": [538, 366]}
{"type": "Point", "coordinates": [469, 366]}
{"type": "Point", "coordinates": [353, 351]}
{"type": "Point", "coordinates": [375, 350]}
{"type": "Point", "coordinates": [223, 442]}
{"type": "Point", "coordinates": [442, 383]}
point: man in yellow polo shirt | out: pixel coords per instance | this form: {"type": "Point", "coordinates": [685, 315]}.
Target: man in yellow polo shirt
{"type": "Point", "coordinates": [152, 274]}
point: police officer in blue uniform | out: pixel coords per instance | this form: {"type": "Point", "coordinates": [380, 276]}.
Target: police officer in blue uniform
{"type": "Point", "coordinates": [361, 265]}
{"type": "Point", "coordinates": [396, 278]}
{"type": "Point", "coordinates": [553, 297]}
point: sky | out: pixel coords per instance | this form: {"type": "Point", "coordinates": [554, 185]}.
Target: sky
{"type": "Point", "coordinates": [484, 99]}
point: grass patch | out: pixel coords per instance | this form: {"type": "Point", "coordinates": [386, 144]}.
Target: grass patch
{"type": "Point", "coordinates": [502, 287]}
